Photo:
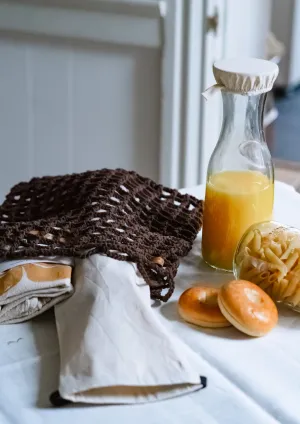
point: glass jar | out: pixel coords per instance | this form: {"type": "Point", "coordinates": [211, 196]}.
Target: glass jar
{"type": "Point", "coordinates": [269, 256]}
{"type": "Point", "coordinates": [240, 176]}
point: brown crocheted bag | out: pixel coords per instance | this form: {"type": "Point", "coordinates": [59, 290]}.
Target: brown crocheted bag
{"type": "Point", "coordinates": [113, 212]}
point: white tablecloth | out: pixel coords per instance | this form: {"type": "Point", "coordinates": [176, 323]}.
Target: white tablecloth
{"type": "Point", "coordinates": [249, 380]}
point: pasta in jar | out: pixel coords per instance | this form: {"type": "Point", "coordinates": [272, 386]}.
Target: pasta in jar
{"type": "Point", "coordinates": [269, 256]}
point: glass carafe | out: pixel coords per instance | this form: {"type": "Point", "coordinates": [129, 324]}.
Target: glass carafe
{"type": "Point", "coordinates": [240, 179]}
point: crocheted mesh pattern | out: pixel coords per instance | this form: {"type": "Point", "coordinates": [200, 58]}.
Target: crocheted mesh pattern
{"type": "Point", "coordinates": [112, 212]}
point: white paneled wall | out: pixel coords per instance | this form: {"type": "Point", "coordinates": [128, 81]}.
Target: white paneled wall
{"type": "Point", "coordinates": [69, 106]}
{"type": "Point", "coordinates": [247, 26]}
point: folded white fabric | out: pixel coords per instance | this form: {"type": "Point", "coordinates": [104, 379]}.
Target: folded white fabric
{"type": "Point", "coordinates": [113, 347]}
{"type": "Point", "coordinates": [30, 287]}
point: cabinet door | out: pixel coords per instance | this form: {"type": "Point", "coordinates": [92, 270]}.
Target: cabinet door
{"type": "Point", "coordinates": [214, 43]}
{"type": "Point", "coordinates": [203, 44]}
{"type": "Point", "coordinates": [229, 31]}
{"type": "Point", "coordinates": [80, 87]}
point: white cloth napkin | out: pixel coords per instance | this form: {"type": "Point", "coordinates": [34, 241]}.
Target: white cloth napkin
{"type": "Point", "coordinates": [113, 347]}
{"type": "Point", "coordinates": [26, 292]}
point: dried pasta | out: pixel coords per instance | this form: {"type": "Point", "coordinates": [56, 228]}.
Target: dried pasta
{"type": "Point", "coordinates": [293, 283]}
{"type": "Point", "coordinates": [251, 274]}
{"type": "Point", "coordinates": [257, 278]}
{"type": "Point", "coordinates": [272, 261]}
{"type": "Point", "coordinates": [294, 244]}
{"type": "Point", "coordinates": [291, 260]}
{"type": "Point", "coordinates": [275, 289]}
{"type": "Point", "coordinates": [256, 242]}
{"type": "Point", "coordinates": [264, 284]}
{"type": "Point", "coordinates": [284, 285]}
{"type": "Point", "coordinates": [276, 248]}
{"type": "Point", "coordinates": [294, 299]}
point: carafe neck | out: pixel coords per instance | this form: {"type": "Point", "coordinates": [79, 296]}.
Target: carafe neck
{"type": "Point", "coordinates": [242, 117]}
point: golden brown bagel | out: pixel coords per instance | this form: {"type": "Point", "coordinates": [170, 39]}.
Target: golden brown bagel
{"type": "Point", "coordinates": [248, 307]}
{"type": "Point", "coordinates": [199, 305]}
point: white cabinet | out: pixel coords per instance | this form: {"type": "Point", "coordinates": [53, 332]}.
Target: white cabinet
{"type": "Point", "coordinates": [247, 26]}
{"type": "Point", "coordinates": [79, 89]}
{"type": "Point", "coordinates": [116, 83]}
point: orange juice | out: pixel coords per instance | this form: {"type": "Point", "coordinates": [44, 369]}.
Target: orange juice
{"type": "Point", "coordinates": [234, 200]}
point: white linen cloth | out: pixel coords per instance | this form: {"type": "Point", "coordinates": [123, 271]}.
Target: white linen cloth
{"type": "Point", "coordinates": [249, 380]}
{"type": "Point", "coordinates": [113, 347]}
{"type": "Point", "coordinates": [30, 297]}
